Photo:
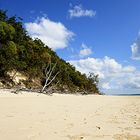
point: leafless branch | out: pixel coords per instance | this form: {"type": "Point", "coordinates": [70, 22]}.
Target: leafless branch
{"type": "Point", "coordinates": [48, 71]}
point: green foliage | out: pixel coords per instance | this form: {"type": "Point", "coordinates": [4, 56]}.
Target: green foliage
{"type": "Point", "coordinates": [20, 33]}
{"type": "Point", "coordinates": [3, 16]}
{"type": "Point", "coordinates": [12, 49]}
{"type": "Point", "coordinates": [20, 53]}
{"type": "Point", "coordinates": [7, 32]}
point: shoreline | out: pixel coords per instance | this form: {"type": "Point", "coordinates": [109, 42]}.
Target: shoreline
{"type": "Point", "coordinates": [26, 91]}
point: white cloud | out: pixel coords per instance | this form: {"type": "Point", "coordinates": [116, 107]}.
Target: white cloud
{"type": "Point", "coordinates": [85, 51]}
{"type": "Point", "coordinates": [112, 74]}
{"type": "Point", "coordinates": [78, 11]}
{"type": "Point", "coordinates": [106, 86]}
{"type": "Point", "coordinates": [53, 34]}
{"type": "Point", "coordinates": [135, 48]}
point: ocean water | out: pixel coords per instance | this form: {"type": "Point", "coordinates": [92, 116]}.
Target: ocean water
{"type": "Point", "coordinates": [119, 92]}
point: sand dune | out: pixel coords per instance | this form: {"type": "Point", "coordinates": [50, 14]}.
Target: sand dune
{"type": "Point", "coordinates": [68, 117]}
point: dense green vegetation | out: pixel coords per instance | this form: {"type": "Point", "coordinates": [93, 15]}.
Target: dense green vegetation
{"type": "Point", "coordinates": [20, 53]}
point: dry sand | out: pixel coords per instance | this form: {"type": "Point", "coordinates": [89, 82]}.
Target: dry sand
{"type": "Point", "coordinates": [68, 117]}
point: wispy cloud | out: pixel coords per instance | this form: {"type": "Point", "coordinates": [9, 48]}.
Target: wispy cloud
{"type": "Point", "coordinates": [79, 11]}
{"type": "Point", "coordinates": [112, 74]}
{"type": "Point", "coordinates": [135, 48]}
{"type": "Point", "coordinates": [53, 34]}
{"type": "Point", "coordinates": [85, 51]}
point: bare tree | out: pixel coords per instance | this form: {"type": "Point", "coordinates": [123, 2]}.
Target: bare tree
{"type": "Point", "coordinates": [49, 78]}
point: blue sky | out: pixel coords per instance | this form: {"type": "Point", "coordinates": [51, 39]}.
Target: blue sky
{"type": "Point", "coordinates": [100, 36]}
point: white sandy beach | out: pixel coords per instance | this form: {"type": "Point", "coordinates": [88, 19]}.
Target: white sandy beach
{"type": "Point", "coordinates": [68, 117]}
